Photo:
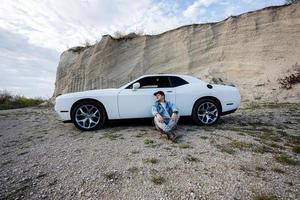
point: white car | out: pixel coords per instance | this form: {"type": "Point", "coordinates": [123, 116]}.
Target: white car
{"type": "Point", "coordinates": [204, 102]}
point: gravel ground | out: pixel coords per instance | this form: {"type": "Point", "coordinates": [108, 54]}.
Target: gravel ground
{"type": "Point", "coordinates": [250, 154]}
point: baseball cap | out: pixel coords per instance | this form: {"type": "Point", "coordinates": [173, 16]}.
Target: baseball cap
{"type": "Point", "coordinates": [159, 92]}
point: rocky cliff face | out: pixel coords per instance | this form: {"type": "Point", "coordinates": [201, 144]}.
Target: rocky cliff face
{"type": "Point", "coordinates": [252, 51]}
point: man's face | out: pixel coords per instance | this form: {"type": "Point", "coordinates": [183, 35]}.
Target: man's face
{"type": "Point", "coordinates": [159, 97]}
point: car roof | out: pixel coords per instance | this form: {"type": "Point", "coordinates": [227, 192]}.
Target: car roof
{"type": "Point", "coordinates": [164, 74]}
{"type": "Point", "coordinates": [190, 79]}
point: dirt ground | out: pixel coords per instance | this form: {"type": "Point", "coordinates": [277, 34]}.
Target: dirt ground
{"type": "Point", "coordinates": [250, 154]}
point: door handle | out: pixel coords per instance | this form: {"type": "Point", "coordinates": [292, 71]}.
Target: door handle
{"type": "Point", "coordinates": [169, 91]}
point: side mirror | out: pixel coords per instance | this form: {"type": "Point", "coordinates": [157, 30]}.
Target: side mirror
{"type": "Point", "coordinates": [136, 86]}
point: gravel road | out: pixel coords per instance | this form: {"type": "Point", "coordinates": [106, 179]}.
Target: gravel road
{"type": "Point", "coordinates": [250, 154]}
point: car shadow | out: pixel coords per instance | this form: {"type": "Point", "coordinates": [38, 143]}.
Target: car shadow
{"type": "Point", "coordinates": [143, 122]}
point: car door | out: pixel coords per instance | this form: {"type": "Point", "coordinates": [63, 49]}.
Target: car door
{"type": "Point", "coordinates": [138, 103]}
{"type": "Point", "coordinates": [184, 95]}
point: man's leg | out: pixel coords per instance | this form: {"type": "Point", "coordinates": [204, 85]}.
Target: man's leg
{"type": "Point", "coordinates": [172, 124]}
{"type": "Point", "coordinates": [161, 126]}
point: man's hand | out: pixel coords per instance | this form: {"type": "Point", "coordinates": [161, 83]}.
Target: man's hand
{"type": "Point", "coordinates": [174, 117]}
{"type": "Point", "coordinates": [159, 117]}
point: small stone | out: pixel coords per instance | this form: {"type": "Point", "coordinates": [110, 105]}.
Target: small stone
{"type": "Point", "coordinates": [88, 194]}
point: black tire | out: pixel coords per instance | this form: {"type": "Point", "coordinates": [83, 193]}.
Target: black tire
{"type": "Point", "coordinates": [92, 107]}
{"type": "Point", "coordinates": [199, 108]}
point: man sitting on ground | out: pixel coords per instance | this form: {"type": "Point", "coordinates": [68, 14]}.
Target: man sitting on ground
{"type": "Point", "coordinates": [165, 115]}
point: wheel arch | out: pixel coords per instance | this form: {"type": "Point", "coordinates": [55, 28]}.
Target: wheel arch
{"type": "Point", "coordinates": [208, 97]}
{"type": "Point", "coordinates": [87, 99]}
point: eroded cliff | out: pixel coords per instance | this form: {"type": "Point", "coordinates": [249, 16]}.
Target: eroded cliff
{"type": "Point", "coordinates": [252, 51]}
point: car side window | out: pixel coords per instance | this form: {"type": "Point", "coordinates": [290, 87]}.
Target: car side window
{"type": "Point", "coordinates": [177, 81]}
{"type": "Point", "coordinates": [152, 82]}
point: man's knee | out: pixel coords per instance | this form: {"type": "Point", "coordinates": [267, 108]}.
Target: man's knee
{"type": "Point", "coordinates": [177, 119]}
{"type": "Point", "coordinates": [156, 120]}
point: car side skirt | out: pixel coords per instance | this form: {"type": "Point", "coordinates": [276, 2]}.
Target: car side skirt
{"type": "Point", "coordinates": [228, 112]}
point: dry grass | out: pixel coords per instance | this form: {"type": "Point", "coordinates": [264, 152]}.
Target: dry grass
{"type": "Point", "coordinates": [110, 175]}
{"type": "Point", "coordinates": [151, 160]}
{"type": "Point", "coordinates": [285, 159]}
{"type": "Point", "coordinates": [158, 180]}
{"type": "Point", "coordinates": [296, 149]}
{"type": "Point", "coordinates": [265, 197]}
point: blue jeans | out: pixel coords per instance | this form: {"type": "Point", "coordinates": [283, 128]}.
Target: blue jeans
{"type": "Point", "coordinates": [168, 125]}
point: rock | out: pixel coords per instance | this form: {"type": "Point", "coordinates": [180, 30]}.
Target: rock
{"type": "Point", "coordinates": [251, 48]}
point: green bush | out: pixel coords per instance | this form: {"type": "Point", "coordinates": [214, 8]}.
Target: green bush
{"type": "Point", "coordinates": [118, 35]}
{"type": "Point", "coordinates": [87, 44]}
{"type": "Point", "coordinates": [8, 101]}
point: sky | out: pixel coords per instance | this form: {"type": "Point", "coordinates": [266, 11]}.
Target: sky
{"type": "Point", "coordinates": [33, 33]}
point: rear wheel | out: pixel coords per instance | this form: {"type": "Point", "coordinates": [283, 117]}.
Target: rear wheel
{"type": "Point", "coordinates": [206, 112]}
{"type": "Point", "coordinates": [88, 115]}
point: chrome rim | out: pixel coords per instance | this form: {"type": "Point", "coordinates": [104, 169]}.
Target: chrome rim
{"type": "Point", "coordinates": [207, 113]}
{"type": "Point", "coordinates": [87, 116]}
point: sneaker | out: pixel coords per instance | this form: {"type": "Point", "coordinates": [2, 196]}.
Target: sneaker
{"type": "Point", "coordinates": [163, 134]}
{"type": "Point", "coordinates": [172, 137]}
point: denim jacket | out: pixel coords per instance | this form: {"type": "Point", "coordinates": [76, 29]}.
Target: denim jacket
{"type": "Point", "coordinates": [158, 108]}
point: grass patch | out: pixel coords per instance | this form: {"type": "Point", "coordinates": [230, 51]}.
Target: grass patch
{"type": "Point", "coordinates": [149, 141]}
{"type": "Point", "coordinates": [260, 168]}
{"type": "Point", "coordinates": [9, 101]}
{"type": "Point", "coordinates": [262, 149]}
{"type": "Point", "coordinates": [240, 145]}
{"type": "Point", "coordinates": [296, 149]}
{"type": "Point", "coordinates": [190, 158]}
{"type": "Point", "coordinates": [151, 160]}
{"type": "Point", "coordinates": [275, 145]}
{"type": "Point", "coordinates": [266, 134]}
{"type": "Point", "coordinates": [271, 144]}
{"type": "Point", "coordinates": [118, 35]}
{"type": "Point", "coordinates": [285, 159]}
{"type": "Point", "coordinates": [110, 175]}
{"type": "Point", "coordinates": [278, 170]}
{"type": "Point", "coordinates": [265, 197]}
{"type": "Point", "coordinates": [271, 105]}
{"type": "Point", "coordinates": [226, 148]}
{"type": "Point", "coordinates": [133, 169]}
{"type": "Point", "coordinates": [87, 44]}
{"type": "Point", "coordinates": [139, 135]}
{"type": "Point", "coordinates": [135, 151]}
{"type": "Point", "coordinates": [293, 139]}
{"type": "Point", "coordinates": [158, 180]}
{"type": "Point", "coordinates": [112, 135]}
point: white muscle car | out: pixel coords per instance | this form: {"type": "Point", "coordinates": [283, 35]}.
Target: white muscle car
{"type": "Point", "coordinates": [204, 102]}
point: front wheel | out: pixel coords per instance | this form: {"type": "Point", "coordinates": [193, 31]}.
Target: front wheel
{"type": "Point", "coordinates": [206, 112]}
{"type": "Point", "coordinates": [88, 115]}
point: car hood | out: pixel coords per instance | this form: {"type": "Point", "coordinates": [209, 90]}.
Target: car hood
{"type": "Point", "coordinates": [91, 93]}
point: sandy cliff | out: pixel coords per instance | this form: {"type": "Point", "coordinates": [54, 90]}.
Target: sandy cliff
{"type": "Point", "coordinates": [252, 51]}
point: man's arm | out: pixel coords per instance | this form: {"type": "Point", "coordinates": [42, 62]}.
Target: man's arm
{"type": "Point", "coordinates": [174, 108]}
{"type": "Point", "coordinates": [156, 114]}
{"type": "Point", "coordinates": [154, 110]}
